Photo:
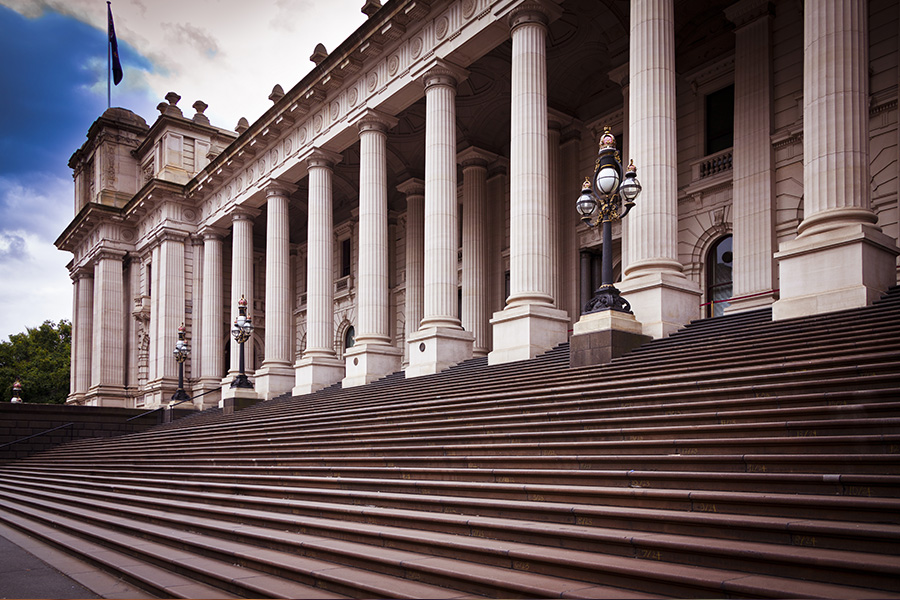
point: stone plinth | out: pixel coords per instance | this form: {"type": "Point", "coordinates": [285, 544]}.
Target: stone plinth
{"type": "Point", "coordinates": [314, 372]}
{"type": "Point", "coordinates": [599, 337]}
{"type": "Point", "coordinates": [234, 399]}
{"type": "Point", "coordinates": [434, 349]}
{"type": "Point", "coordinates": [273, 380]}
{"type": "Point", "coordinates": [834, 269]}
{"type": "Point", "coordinates": [367, 362]}
{"type": "Point", "coordinates": [664, 301]}
{"type": "Point", "coordinates": [523, 332]}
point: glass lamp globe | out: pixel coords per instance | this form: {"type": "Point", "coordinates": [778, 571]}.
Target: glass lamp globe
{"type": "Point", "coordinates": [607, 180]}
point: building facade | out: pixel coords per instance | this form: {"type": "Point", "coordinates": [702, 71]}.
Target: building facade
{"type": "Point", "coordinates": [410, 203]}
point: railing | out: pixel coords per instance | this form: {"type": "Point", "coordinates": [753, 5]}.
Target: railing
{"type": "Point", "coordinates": [713, 164]}
{"type": "Point", "coordinates": [733, 298]}
{"type": "Point", "coordinates": [30, 437]}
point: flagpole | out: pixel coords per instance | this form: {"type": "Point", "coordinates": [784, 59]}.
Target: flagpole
{"type": "Point", "coordinates": [108, 63]}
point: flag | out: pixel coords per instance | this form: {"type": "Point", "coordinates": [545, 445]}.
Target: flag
{"type": "Point", "coordinates": [114, 47]}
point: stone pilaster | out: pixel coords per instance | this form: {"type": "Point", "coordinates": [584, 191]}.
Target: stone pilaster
{"type": "Point", "coordinates": [840, 258]}
{"type": "Point", "coordinates": [529, 325]}
{"type": "Point", "coordinates": [440, 341]}
{"type": "Point", "coordinates": [415, 252]}
{"type": "Point", "coordinates": [213, 329]}
{"type": "Point", "coordinates": [241, 282]}
{"type": "Point", "coordinates": [570, 183]}
{"type": "Point", "coordinates": [108, 343]}
{"type": "Point", "coordinates": [82, 335]}
{"type": "Point", "coordinates": [276, 374]}
{"type": "Point", "coordinates": [166, 315]}
{"type": "Point", "coordinates": [319, 366]}
{"type": "Point", "coordinates": [373, 356]}
{"type": "Point", "coordinates": [475, 267]}
{"type": "Point", "coordinates": [753, 188]}
{"type": "Point", "coordinates": [662, 298]}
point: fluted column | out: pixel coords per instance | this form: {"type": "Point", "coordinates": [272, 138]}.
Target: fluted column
{"type": "Point", "coordinates": [319, 367]}
{"type": "Point", "coordinates": [475, 267]}
{"type": "Point", "coordinates": [440, 341]}
{"type": "Point", "coordinates": [753, 186]}
{"type": "Point", "coordinates": [241, 280]}
{"type": "Point", "coordinates": [212, 302]}
{"type": "Point", "coordinates": [276, 375]}
{"type": "Point", "coordinates": [82, 334]}
{"type": "Point", "coordinates": [620, 75]}
{"type": "Point", "coordinates": [840, 258]}
{"type": "Point", "coordinates": [529, 325]}
{"type": "Point", "coordinates": [662, 298]}
{"type": "Point", "coordinates": [373, 356]}
{"type": "Point", "coordinates": [108, 343]}
{"type": "Point", "coordinates": [415, 252]}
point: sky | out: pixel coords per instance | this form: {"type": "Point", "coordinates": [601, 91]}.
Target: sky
{"type": "Point", "coordinates": [53, 85]}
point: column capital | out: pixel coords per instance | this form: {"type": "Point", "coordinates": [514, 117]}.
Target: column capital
{"type": "Point", "coordinates": [534, 12]}
{"type": "Point", "coordinates": [442, 73]}
{"type": "Point", "coordinates": [321, 158]}
{"type": "Point", "coordinates": [168, 234]}
{"type": "Point", "coordinates": [275, 187]}
{"type": "Point", "coordinates": [557, 119]}
{"type": "Point", "coordinates": [374, 120]}
{"type": "Point", "coordinates": [747, 11]}
{"type": "Point", "coordinates": [209, 232]}
{"type": "Point", "coordinates": [81, 272]}
{"type": "Point", "coordinates": [412, 187]}
{"type": "Point", "coordinates": [475, 157]}
{"type": "Point", "coordinates": [620, 75]}
{"type": "Point", "coordinates": [243, 213]}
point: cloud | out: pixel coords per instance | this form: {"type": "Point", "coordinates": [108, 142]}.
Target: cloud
{"type": "Point", "coordinates": [193, 36]}
{"type": "Point", "coordinates": [12, 247]}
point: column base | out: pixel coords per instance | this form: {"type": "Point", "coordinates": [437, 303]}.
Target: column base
{"type": "Point", "coordinates": [523, 332]}
{"type": "Point", "coordinates": [211, 388]}
{"type": "Point", "coordinates": [755, 301]}
{"type": "Point", "coordinates": [839, 268]}
{"type": "Point", "coordinates": [367, 362]}
{"type": "Point", "coordinates": [433, 349]}
{"type": "Point", "coordinates": [274, 379]}
{"type": "Point", "coordinates": [312, 373]}
{"type": "Point", "coordinates": [662, 301]}
{"type": "Point", "coordinates": [235, 399]}
{"type": "Point", "coordinates": [107, 395]}
{"type": "Point", "coordinates": [599, 337]}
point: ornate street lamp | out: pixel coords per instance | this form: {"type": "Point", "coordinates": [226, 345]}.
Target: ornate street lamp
{"type": "Point", "coordinates": [181, 352]}
{"type": "Point", "coordinates": [17, 393]}
{"type": "Point", "coordinates": [241, 331]}
{"type": "Point", "coordinates": [606, 198]}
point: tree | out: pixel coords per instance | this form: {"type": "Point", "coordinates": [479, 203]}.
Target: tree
{"type": "Point", "coordinates": [40, 359]}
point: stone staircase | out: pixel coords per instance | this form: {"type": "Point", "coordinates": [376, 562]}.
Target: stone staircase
{"type": "Point", "coordinates": [736, 458]}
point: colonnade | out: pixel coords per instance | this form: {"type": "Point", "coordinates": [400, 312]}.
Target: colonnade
{"type": "Point", "coordinates": [662, 297]}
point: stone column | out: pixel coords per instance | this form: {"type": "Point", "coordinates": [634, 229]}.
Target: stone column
{"type": "Point", "coordinates": [276, 375]}
{"type": "Point", "coordinates": [82, 334]}
{"type": "Point", "coordinates": [166, 315]}
{"type": "Point", "coordinates": [662, 298]}
{"type": "Point", "coordinates": [840, 258]}
{"type": "Point", "coordinates": [319, 366]}
{"type": "Point", "coordinates": [108, 342]}
{"type": "Point", "coordinates": [475, 267]}
{"type": "Point", "coordinates": [373, 356]}
{"type": "Point", "coordinates": [415, 252]}
{"type": "Point", "coordinates": [214, 329]}
{"type": "Point", "coordinates": [440, 341]}
{"type": "Point", "coordinates": [753, 186]}
{"type": "Point", "coordinates": [620, 75]}
{"type": "Point", "coordinates": [529, 325]}
{"type": "Point", "coordinates": [241, 282]}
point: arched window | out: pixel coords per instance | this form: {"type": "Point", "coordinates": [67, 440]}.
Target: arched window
{"type": "Point", "coordinates": [349, 338]}
{"type": "Point", "coordinates": [718, 277]}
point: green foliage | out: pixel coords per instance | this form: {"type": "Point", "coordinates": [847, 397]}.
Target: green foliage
{"type": "Point", "coordinates": [40, 359]}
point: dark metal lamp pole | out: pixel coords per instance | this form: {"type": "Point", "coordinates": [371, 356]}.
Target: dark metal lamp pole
{"type": "Point", "coordinates": [606, 198]}
{"type": "Point", "coordinates": [241, 331]}
{"type": "Point", "coordinates": [181, 352]}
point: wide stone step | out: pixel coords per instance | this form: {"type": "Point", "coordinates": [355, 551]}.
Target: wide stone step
{"type": "Point", "coordinates": [598, 545]}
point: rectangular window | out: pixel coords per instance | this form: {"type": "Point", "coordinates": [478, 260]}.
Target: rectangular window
{"type": "Point", "coordinates": [720, 120]}
{"type": "Point", "coordinates": [345, 257]}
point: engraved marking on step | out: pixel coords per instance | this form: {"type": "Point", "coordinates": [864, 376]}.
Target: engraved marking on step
{"type": "Point", "coordinates": [640, 483]}
{"type": "Point", "coordinates": [807, 433]}
{"type": "Point", "coordinates": [803, 540]}
{"type": "Point", "coordinates": [635, 438]}
{"type": "Point", "coordinates": [584, 521]}
{"type": "Point", "coordinates": [690, 451]}
{"type": "Point", "coordinates": [858, 490]}
{"type": "Point", "coordinates": [536, 497]}
{"type": "Point", "coordinates": [478, 533]}
{"type": "Point", "coordinates": [521, 565]}
{"type": "Point", "coordinates": [836, 403]}
{"type": "Point", "coordinates": [762, 395]}
{"type": "Point", "coordinates": [407, 476]}
{"type": "Point", "coordinates": [894, 449]}
{"type": "Point", "coordinates": [757, 469]}
{"type": "Point", "coordinates": [504, 479]}
{"type": "Point", "coordinates": [727, 421]}
{"type": "Point", "coordinates": [649, 554]}
{"type": "Point", "coordinates": [707, 507]}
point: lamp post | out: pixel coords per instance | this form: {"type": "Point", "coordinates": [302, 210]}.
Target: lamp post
{"type": "Point", "coordinates": [181, 352]}
{"type": "Point", "coordinates": [17, 391]}
{"type": "Point", "coordinates": [241, 331]}
{"type": "Point", "coordinates": [605, 198]}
